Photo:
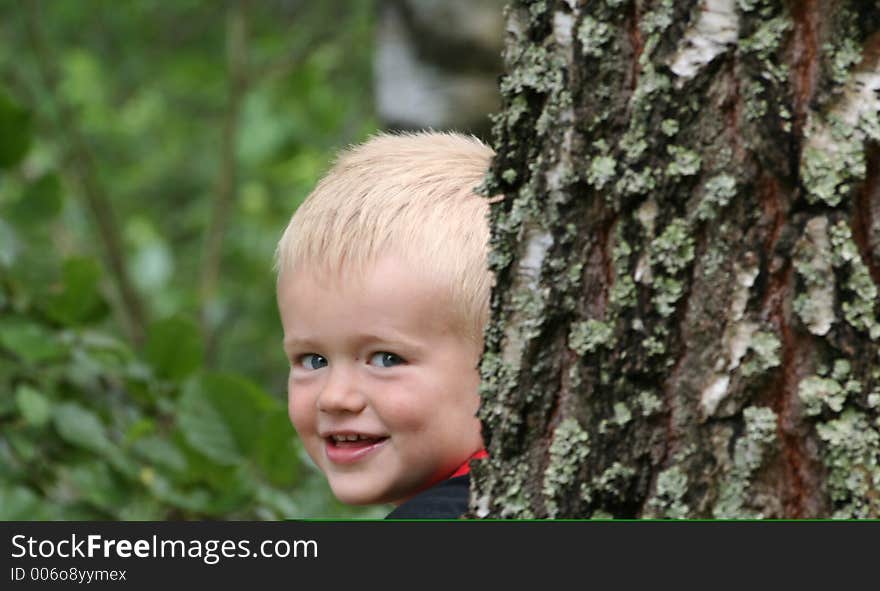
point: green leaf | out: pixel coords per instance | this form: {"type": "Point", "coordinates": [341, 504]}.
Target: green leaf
{"type": "Point", "coordinates": [223, 416]}
{"type": "Point", "coordinates": [174, 347]}
{"type": "Point", "coordinates": [81, 427]}
{"type": "Point", "coordinates": [105, 349]}
{"type": "Point", "coordinates": [161, 452]}
{"type": "Point", "coordinates": [282, 504]}
{"type": "Point", "coordinates": [197, 499]}
{"type": "Point", "coordinates": [200, 468]}
{"type": "Point", "coordinates": [142, 506]}
{"type": "Point", "coordinates": [97, 485]}
{"type": "Point", "coordinates": [29, 341]}
{"type": "Point", "coordinates": [203, 425]}
{"type": "Point", "coordinates": [276, 449]}
{"type": "Point", "coordinates": [18, 503]}
{"type": "Point", "coordinates": [40, 202]}
{"type": "Point", "coordinates": [34, 407]}
{"type": "Point", "coordinates": [10, 245]}
{"type": "Point", "coordinates": [140, 428]}
{"type": "Point", "coordinates": [22, 443]}
{"type": "Point", "coordinates": [15, 132]}
{"type": "Point", "coordinates": [78, 298]}
{"type": "Point", "coordinates": [9, 369]}
{"type": "Point", "coordinates": [11, 468]}
{"type": "Point", "coordinates": [232, 489]}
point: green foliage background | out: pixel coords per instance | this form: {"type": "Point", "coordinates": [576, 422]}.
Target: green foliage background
{"type": "Point", "coordinates": [133, 136]}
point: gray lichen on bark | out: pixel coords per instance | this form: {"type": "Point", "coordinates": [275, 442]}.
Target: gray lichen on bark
{"type": "Point", "coordinates": [687, 258]}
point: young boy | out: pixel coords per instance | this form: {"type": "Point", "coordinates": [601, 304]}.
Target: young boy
{"type": "Point", "coordinates": [383, 291]}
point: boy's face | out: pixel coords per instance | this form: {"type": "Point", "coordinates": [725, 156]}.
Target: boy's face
{"type": "Point", "coordinates": [382, 391]}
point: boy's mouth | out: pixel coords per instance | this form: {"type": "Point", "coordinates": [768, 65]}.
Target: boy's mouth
{"type": "Point", "coordinates": [353, 440]}
{"type": "Point", "coordinates": [345, 448]}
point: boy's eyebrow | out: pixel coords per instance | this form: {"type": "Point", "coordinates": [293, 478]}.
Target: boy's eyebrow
{"type": "Point", "coordinates": [392, 338]}
{"type": "Point", "coordinates": [298, 343]}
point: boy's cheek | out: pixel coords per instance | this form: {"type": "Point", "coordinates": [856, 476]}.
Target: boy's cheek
{"type": "Point", "coordinates": [296, 412]}
{"type": "Point", "coordinates": [304, 418]}
{"type": "Point", "coordinates": [297, 400]}
{"type": "Point", "coordinates": [290, 407]}
{"type": "Point", "coordinates": [305, 428]}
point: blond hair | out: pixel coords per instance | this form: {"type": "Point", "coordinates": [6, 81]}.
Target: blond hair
{"type": "Point", "coordinates": [412, 195]}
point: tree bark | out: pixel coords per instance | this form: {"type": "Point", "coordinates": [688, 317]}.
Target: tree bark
{"type": "Point", "coordinates": [685, 320]}
{"type": "Point", "coordinates": [437, 64]}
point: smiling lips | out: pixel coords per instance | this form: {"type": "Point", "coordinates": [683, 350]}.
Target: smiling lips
{"type": "Point", "coordinates": [351, 447]}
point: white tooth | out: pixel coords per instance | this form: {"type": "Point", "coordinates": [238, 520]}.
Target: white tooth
{"type": "Point", "coordinates": [350, 437]}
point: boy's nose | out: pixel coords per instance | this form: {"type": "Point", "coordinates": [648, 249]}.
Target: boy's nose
{"type": "Point", "coordinates": [340, 393]}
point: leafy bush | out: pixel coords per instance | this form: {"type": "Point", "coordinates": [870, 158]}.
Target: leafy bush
{"type": "Point", "coordinates": [93, 426]}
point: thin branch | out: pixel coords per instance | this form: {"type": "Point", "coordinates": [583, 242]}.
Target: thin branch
{"type": "Point", "coordinates": [224, 197]}
{"type": "Point", "coordinates": [291, 59]}
{"type": "Point", "coordinates": [242, 77]}
{"type": "Point", "coordinates": [83, 166]}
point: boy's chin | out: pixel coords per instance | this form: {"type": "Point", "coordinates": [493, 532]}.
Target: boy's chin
{"type": "Point", "coordinates": [351, 495]}
{"type": "Point", "coordinates": [358, 495]}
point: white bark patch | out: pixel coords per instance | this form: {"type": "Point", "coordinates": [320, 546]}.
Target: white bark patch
{"type": "Point", "coordinates": [647, 213]}
{"type": "Point", "coordinates": [715, 29]}
{"type": "Point", "coordinates": [482, 506]}
{"type": "Point", "coordinates": [561, 173]}
{"type": "Point", "coordinates": [738, 333]}
{"type": "Point", "coordinates": [407, 91]}
{"type": "Point", "coordinates": [745, 279]}
{"type": "Point", "coordinates": [813, 261]}
{"type": "Point", "coordinates": [643, 273]}
{"type": "Point", "coordinates": [714, 394]}
{"type": "Point", "coordinates": [862, 96]}
{"type": "Point", "coordinates": [861, 99]}
{"type": "Point", "coordinates": [563, 24]}
{"type": "Point", "coordinates": [833, 155]}
{"type": "Point", "coordinates": [738, 342]}
{"type": "Point", "coordinates": [647, 216]}
{"type": "Point", "coordinates": [538, 242]}
{"type": "Point", "coordinates": [736, 339]}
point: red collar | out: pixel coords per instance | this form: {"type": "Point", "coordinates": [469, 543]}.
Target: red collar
{"type": "Point", "coordinates": [466, 467]}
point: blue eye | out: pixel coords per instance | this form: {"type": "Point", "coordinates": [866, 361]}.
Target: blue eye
{"type": "Point", "coordinates": [313, 361]}
{"type": "Point", "coordinates": [385, 359]}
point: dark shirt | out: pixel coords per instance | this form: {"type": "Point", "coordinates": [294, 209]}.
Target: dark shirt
{"type": "Point", "coordinates": [447, 499]}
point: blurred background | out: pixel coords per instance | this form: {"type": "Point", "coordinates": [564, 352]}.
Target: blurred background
{"type": "Point", "coordinates": [151, 153]}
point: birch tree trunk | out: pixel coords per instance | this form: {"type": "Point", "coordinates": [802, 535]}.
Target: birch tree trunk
{"type": "Point", "coordinates": [685, 321]}
{"type": "Point", "coordinates": [437, 64]}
